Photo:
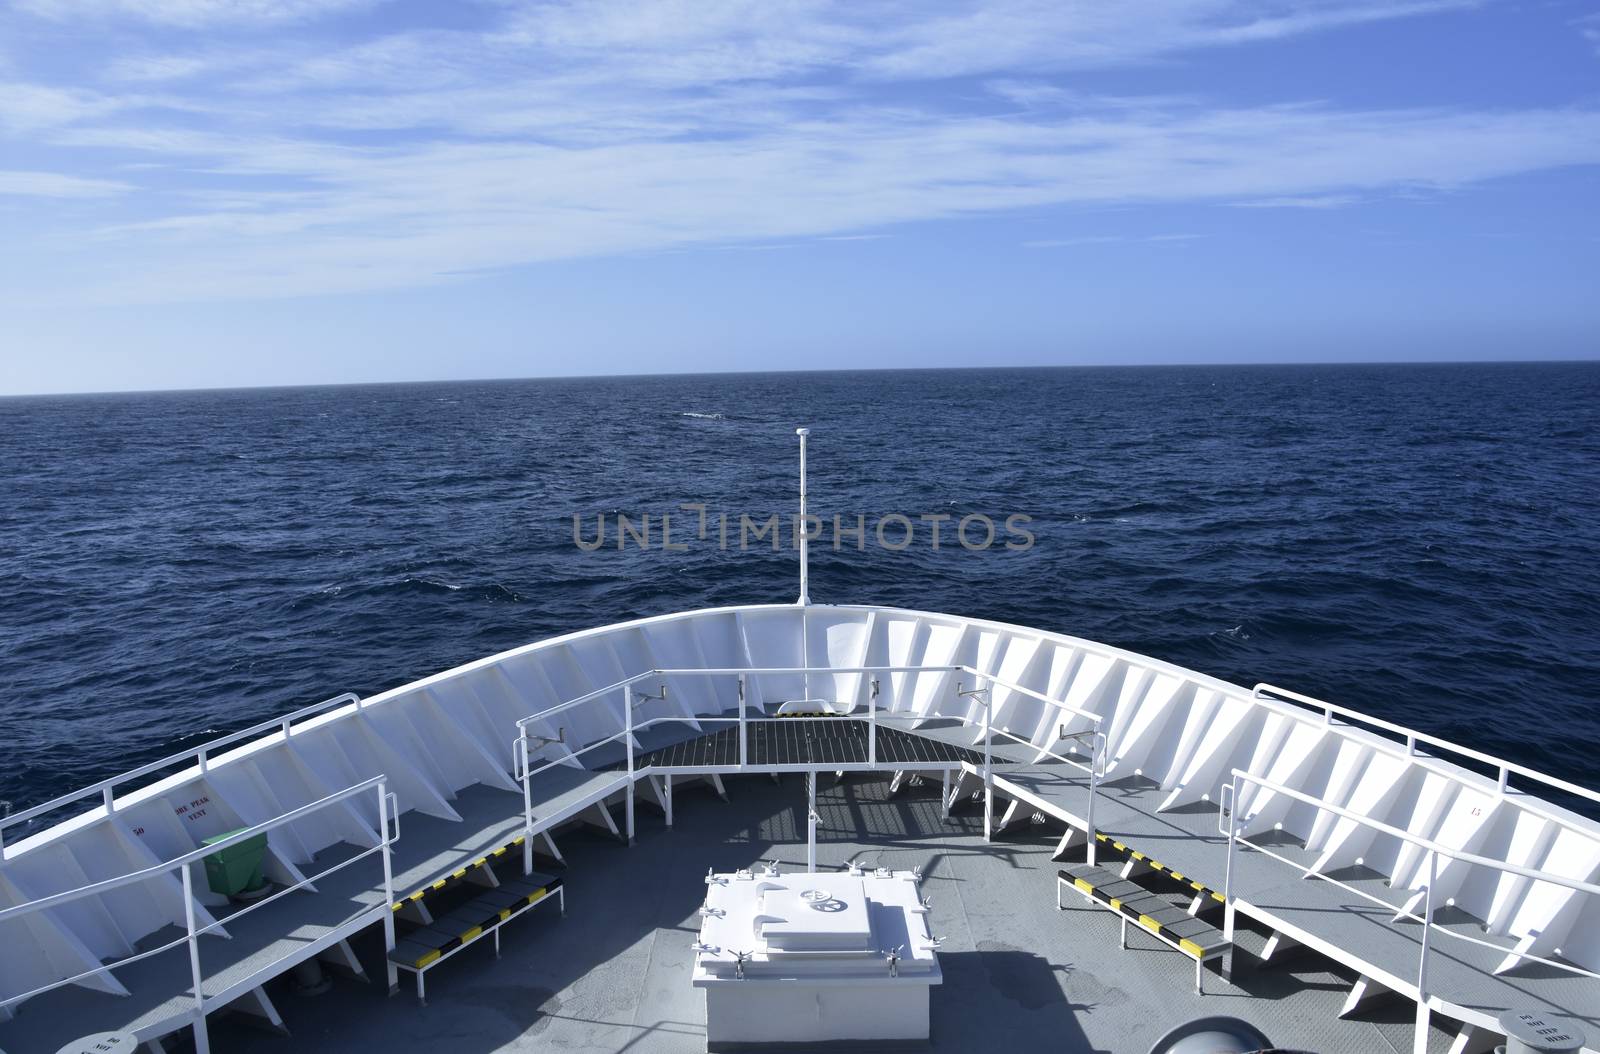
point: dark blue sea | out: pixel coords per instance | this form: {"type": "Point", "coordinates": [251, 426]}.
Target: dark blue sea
{"type": "Point", "coordinates": [1416, 541]}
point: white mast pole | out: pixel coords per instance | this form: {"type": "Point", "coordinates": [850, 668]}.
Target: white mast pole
{"type": "Point", "coordinates": [805, 596]}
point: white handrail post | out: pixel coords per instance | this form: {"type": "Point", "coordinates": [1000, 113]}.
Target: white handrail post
{"type": "Point", "coordinates": [805, 595]}
{"type": "Point", "coordinates": [811, 822]}
{"type": "Point", "coordinates": [1096, 749]}
{"type": "Point", "coordinates": [388, 883]}
{"type": "Point", "coordinates": [872, 729]}
{"type": "Point", "coordinates": [627, 714]}
{"type": "Point", "coordinates": [109, 798]}
{"type": "Point", "coordinates": [1419, 1041]}
{"type": "Point", "coordinates": [744, 732]}
{"type": "Point", "coordinates": [202, 1041]}
{"type": "Point", "coordinates": [1228, 898]}
{"type": "Point", "coordinates": [988, 774]}
{"type": "Point", "coordinates": [527, 802]}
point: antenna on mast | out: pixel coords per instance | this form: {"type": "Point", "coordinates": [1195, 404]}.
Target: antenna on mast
{"type": "Point", "coordinates": [800, 525]}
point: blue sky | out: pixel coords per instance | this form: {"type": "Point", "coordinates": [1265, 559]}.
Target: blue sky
{"type": "Point", "coordinates": [230, 192]}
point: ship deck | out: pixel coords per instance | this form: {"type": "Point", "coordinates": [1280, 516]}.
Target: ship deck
{"type": "Point", "coordinates": [613, 975]}
{"type": "Point", "coordinates": [286, 931]}
{"type": "Point", "coordinates": [1317, 913]}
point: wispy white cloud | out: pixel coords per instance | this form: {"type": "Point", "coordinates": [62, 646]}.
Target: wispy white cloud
{"type": "Point", "coordinates": [151, 68]}
{"type": "Point", "coordinates": [1589, 27]}
{"type": "Point", "coordinates": [377, 217]}
{"type": "Point", "coordinates": [1301, 201]}
{"type": "Point", "coordinates": [28, 107]}
{"type": "Point", "coordinates": [296, 163]}
{"type": "Point", "coordinates": [1109, 239]}
{"type": "Point", "coordinates": [1040, 94]}
{"type": "Point", "coordinates": [1042, 35]}
{"type": "Point", "coordinates": [1033, 93]}
{"type": "Point", "coordinates": [55, 185]}
{"type": "Point", "coordinates": [187, 12]}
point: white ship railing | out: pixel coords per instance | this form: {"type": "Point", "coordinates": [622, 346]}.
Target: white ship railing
{"type": "Point", "coordinates": [200, 755]}
{"type": "Point", "coordinates": [1229, 823]}
{"type": "Point", "coordinates": [388, 808]}
{"type": "Point", "coordinates": [1384, 737]}
{"type": "Point", "coordinates": [527, 742]}
{"type": "Point", "coordinates": [1503, 768]}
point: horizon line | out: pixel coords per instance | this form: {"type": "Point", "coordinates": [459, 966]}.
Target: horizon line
{"type": "Point", "coordinates": [303, 386]}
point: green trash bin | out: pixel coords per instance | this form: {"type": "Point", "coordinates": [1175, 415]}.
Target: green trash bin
{"type": "Point", "coordinates": [236, 870]}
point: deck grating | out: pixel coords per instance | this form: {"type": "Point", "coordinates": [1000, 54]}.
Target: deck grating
{"type": "Point", "coordinates": [822, 742]}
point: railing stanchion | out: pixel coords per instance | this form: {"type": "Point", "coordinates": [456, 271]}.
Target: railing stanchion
{"type": "Point", "coordinates": [744, 730]}
{"type": "Point", "coordinates": [1231, 801]}
{"type": "Point", "coordinates": [872, 727]}
{"type": "Point", "coordinates": [526, 760]}
{"type": "Point", "coordinates": [811, 822]}
{"type": "Point", "coordinates": [202, 1041]}
{"type": "Point", "coordinates": [627, 716]}
{"type": "Point", "coordinates": [1096, 750]}
{"type": "Point", "coordinates": [388, 883]}
{"type": "Point", "coordinates": [1419, 1040]}
{"type": "Point", "coordinates": [988, 773]}
{"type": "Point", "coordinates": [109, 799]}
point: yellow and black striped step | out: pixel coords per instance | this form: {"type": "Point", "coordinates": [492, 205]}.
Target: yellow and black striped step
{"type": "Point", "coordinates": [1118, 893]}
{"type": "Point", "coordinates": [458, 874]}
{"type": "Point", "coordinates": [1156, 865]}
{"type": "Point", "coordinates": [1107, 887]}
{"type": "Point", "coordinates": [466, 924]}
{"type": "Point", "coordinates": [1193, 936]}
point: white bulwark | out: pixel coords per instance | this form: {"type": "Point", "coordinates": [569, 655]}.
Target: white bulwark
{"type": "Point", "coordinates": [815, 958]}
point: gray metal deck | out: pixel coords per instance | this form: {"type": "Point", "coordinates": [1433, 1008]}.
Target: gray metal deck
{"type": "Point", "coordinates": [297, 926]}
{"type": "Point", "coordinates": [1058, 978]}
{"type": "Point", "coordinates": [160, 995]}
{"type": "Point", "coordinates": [1317, 913]}
{"type": "Point", "coordinates": [431, 851]}
{"type": "Point", "coordinates": [614, 974]}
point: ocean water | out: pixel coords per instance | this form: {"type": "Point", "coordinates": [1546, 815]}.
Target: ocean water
{"type": "Point", "coordinates": [1415, 541]}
